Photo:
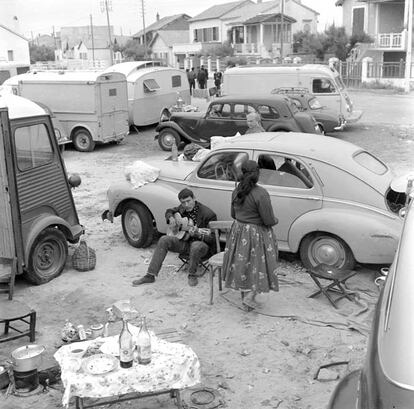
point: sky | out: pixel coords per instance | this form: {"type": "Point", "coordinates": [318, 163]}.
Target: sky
{"type": "Point", "coordinates": [43, 16]}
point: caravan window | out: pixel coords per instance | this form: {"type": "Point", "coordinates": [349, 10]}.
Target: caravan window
{"type": "Point", "coordinates": [150, 85]}
{"type": "Point", "coordinates": [176, 81]}
{"type": "Point", "coordinates": [33, 148]}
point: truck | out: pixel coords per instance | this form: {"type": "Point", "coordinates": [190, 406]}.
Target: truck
{"type": "Point", "coordinates": [322, 81]}
{"type": "Point", "coordinates": [38, 216]}
{"type": "Point", "coordinates": [92, 106]}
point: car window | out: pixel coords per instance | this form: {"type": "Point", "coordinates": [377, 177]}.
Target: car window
{"type": "Point", "coordinates": [33, 147]}
{"type": "Point", "coordinates": [240, 111]}
{"type": "Point", "coordinates": [215, 111]}
{"type": "Point", "coordinates": [268, 112]}
{"type": "Point", "coordinates": [370, 162]}
{"type": "Point", "coordinates": [226, 110]}
{"type": "Point", "coordinates": [223, 166]}
{"type": "Point", "coordinates": [323, 86]}
{"type": "Point", "coordinates": [280, 170]}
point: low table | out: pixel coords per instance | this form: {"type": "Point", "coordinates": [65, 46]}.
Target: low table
{"type": "Point", "coordinates": [173, 367]}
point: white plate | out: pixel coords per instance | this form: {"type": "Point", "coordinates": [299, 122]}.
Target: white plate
{"type": "Point", "coordinates": [111, 348]}
{"type": "Point", "coordinates": [99, 364]}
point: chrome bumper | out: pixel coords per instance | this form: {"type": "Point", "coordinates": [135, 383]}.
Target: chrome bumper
{"type": "Point", "coordinates": [354, 117]}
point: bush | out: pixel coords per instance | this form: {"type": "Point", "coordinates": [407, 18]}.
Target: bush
{"type": "Point", "coordinates": [217, 50]}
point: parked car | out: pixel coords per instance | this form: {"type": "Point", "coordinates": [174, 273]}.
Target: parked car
{"type": "Point", "coordinates": [327, 120]}
{"type": "Point", "coordinates": [387, 378]}
{"type": "Point", "coordinates": [333, 199]}
{"type": "Point", "coordinates": [227, 115]}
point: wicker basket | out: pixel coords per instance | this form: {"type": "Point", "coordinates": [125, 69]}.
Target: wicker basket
{"type": "Point", "coordinates": [84, 258]}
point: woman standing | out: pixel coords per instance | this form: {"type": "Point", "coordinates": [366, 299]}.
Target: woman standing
{"type": "Point", "coordinates": [250, 258]}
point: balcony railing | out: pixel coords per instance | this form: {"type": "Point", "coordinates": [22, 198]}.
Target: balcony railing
{"type": "Point", "coordinates": [391, 40]}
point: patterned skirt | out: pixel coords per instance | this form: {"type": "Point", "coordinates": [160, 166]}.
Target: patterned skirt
{"type": "Point", "coordinates": [250, 258]}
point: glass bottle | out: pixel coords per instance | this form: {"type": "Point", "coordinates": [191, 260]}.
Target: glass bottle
{"type": "Point", "coordinates": [126, 346]}
{"type": "Point", "coordinates": [174, 150]}
{"type": "Point", "coordinates": [144, 344]}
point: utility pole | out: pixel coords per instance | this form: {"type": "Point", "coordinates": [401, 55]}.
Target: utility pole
{"type": "Point", "coordinates": [105, 7]}
{"type": "Point", "coordinates": [408, 55]}
{"type": "Point", "coordinates": [143, 25]}
{"type": "Point", "coordinates": [281, 36]}
{"type": "Point", "coordinates": [93, 42]}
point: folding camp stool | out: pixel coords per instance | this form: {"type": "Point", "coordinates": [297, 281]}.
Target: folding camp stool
{"type": "Point", "coordinates": [185, 260]}
{"type": "Point", "coordinates": [337, 284]}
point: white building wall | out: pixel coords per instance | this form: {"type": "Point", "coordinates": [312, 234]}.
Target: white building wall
{"type": "Point", "coordinates": [15, 43]}
{"type": "Point", "coordinates": [159, 50]}
{"type": "Point", "coordinates": [209, 24]}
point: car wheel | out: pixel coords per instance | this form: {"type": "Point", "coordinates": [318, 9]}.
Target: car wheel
{"type": "Point", "coordinates": [47, 256]}
{"type": "Point", "coordinates": [82, 141]}
{"type": "Point", "coordinates": [165, 115]}
{"type": "Point", "coordinates": [137, 225]}
{"type": "Point", "coordinates": [321, 129]}
{"type": "Point", "coordinates": [324, 248]}
{"type": "Point", "coordinates": [166, 138]}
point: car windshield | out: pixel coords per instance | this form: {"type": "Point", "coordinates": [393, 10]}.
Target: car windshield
{"type": "Point", "coordinates": [370, 162]}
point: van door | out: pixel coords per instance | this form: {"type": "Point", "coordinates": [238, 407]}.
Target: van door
{"type": "Point", "coordinates": [328, 94]}
{"type": "Point", "coordinates": [113, 109]}
{"type": "Point", "coordinates": [7, 193]}
{"type": "Point", "coordinates": [42, 187]}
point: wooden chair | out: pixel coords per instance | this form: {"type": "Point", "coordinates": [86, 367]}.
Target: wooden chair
{"type": "Point", "coordinates": [215, 263]}
{"type": "Point", "coordinates": [336, 279]}
{"type": "Point", "coordinates": [8, 270]}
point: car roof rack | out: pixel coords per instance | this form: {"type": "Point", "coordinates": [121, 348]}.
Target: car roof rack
{"type": "Point", "coordinates": [290, 90]}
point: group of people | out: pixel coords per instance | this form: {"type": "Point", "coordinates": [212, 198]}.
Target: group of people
{"type": "Point", "coordinates": [251, 253]}
{"type": "Point", "coordinates": [201, 76]}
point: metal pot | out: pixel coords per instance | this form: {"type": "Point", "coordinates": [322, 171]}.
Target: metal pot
{"type": "Point", "coordinates": [27, 358]}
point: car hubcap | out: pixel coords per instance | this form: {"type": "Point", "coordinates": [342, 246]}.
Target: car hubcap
{"type": "Point", "coordinates": [133, 225]}
{"type": "Point", "coordinates": [326, 250]}
{"type": "Point", "coordinates": [83, 141]}
{"type": "Point", "coordinates": [48, 256]}
{"type": "Point", "coordinates": [168, 139]}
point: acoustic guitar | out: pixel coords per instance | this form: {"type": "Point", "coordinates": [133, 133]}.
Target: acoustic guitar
{"type": "Point", "coordinates": [183, 226]}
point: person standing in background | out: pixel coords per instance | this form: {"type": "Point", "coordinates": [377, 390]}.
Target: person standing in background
{"type": "Point", "coordinates": [202, 78]}
{"type": "Point", "coordinates": [251, 253]}
{"type": "Point", "coordinates": [191, 79]}
{"type": "Point", "coordinates": [218, 79]}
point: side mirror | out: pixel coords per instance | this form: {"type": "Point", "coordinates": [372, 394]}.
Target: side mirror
{"type": "Point", "coordinates": [74, 180]}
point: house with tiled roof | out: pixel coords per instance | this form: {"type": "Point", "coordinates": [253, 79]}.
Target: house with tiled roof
{"type": "Point", "coordinates": [262, 29]}
{"type": "Point", "coordinates": [163, 43]}
{"type": "Point", "coordinates": [177, 22]}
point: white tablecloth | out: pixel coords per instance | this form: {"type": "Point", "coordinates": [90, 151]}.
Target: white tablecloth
{"type": "Point", "coordinates": [173, 366]}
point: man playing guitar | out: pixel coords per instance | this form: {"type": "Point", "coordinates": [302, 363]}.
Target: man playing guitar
{"type": "Point", "coordinates": [191, 237]}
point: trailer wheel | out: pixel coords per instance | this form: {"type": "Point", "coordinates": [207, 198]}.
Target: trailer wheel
{"type": "Point", "coordinates": [47, 256]}
{"type": "Point", "coordinates": [82, 141]}
{"type": "Point", "coordinates": [166, 138]}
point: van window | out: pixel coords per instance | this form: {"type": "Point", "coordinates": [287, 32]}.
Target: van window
{"type": "Point", "coordinates": [176, 81]}
{"type": "Point", "coordinates": [323, 86]}
{"type": "Point", "coordinates": [33, 146]}
{"type": "Point", "coordinates": [150, 85]}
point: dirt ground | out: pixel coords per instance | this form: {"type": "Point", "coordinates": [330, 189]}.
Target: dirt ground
{"type": "Point", "coordinates": [262, 359]}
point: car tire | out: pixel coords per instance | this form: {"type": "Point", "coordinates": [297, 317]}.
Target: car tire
{"type": "Point", "coordinates": [47, 256]}
{"type": "Point", "coordinates": [166, 137]}
{"type": "Point", "coordinates": [137, 225]}
{"type": "Point", "coordinates": [325, 248]}
{"type": "Point", "coordinates": [82, 141]}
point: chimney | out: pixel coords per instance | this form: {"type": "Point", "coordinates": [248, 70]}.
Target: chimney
{"type": "Point", "coordinates": [158, 16]}
{"type": "Point", "coordinates": [16, 24]}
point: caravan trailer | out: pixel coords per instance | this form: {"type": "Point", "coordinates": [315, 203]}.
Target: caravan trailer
{"type": "Point", "coordinates": [151, 90]}
{"type": "Point", "coordinates": [91, 106]}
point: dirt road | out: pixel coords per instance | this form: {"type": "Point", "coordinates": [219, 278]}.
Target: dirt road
{"type": "Point", "coordinates": [266, 359]}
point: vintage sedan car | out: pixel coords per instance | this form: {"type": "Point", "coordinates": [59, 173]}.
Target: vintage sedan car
{"type": "Point", "coordinates": [333, 199]}
{"type": "Point", "coordinates": [226, 116]}
{"type": "Point", "coordinates": [327, 120]}
{"type": "Point", "coordinates": [387, 378]}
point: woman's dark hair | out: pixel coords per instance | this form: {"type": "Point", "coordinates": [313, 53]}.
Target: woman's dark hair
{"type": "Point", "coordinates": [247, 181]}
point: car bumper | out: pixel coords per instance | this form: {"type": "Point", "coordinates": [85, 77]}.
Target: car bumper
{"type": "Point", "coordinates": [354, 117]}
{"type": "Point", "coordinates": [342, 123]}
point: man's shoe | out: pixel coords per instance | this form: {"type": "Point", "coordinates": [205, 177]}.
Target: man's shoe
{"type": "Point", "coordinates": [147, 279]}
{"type": "Point", "coordinates": [192, 281]}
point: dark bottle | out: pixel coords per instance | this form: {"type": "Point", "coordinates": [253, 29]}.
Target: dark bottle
{"type": "Point", "coordinates": [144, 344]}
{"type": "Point", "coordinates": [126, 346]}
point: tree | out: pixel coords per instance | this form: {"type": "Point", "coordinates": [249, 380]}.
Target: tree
{"type": "Point", "coordinates": [132, 50]}
{"type": "Point", "coordinates": [41, 53]}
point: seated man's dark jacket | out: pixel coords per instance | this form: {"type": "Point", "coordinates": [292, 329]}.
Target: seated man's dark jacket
{"type": "Point", "coordinates": [204, 216]}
